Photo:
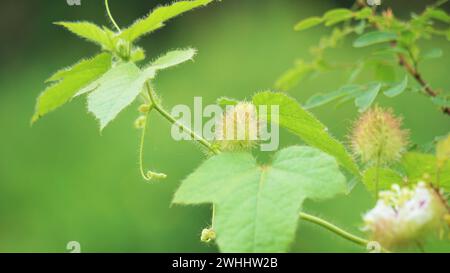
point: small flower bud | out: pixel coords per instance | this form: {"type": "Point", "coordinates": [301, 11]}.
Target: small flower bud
{"type": "Point", "coordinates": [402, 215]}
{"type": "Point", "coordinates": [123, 49]}
{"type": "Point", "coordinates": [139, 123]}
{"type": "Point", "coordinates": [144, 108]}
{"type": "Point", "coordinates": [208, 235]}
{"type": "Point", "coordinates": [377, 137]}
{"type": "Point", "coordinates": [238, 128]}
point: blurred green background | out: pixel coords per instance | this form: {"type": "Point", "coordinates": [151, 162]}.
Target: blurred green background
{"type": "Point", "coordinates": [60, 180]}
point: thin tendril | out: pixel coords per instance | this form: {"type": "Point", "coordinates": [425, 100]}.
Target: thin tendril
{"type": "Point", "coordinates": [111, 17]}
{"type": "Point", "coordinates": [344, 234]}
{"type": "Point", "coordinates": [141, 147]}
{"type": "Point", "coordinates": [207, 144]}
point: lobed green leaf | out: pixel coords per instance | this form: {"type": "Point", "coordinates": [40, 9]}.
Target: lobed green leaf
{"type": "Point", "coordinates": [120, 86]}
{"type": "Point", "coordinates": [257, 207]}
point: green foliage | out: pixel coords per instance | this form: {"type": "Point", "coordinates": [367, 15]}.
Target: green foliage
{"type": "Point", "coordinates": [293, 76]}
{"type": "Point", "coordinates": [390, 37]}
{"type": "Point", "coordinates": [297, 120]}
{"type": "Point", "coordinates": [385, 177]}
{"type": "Point", "coordinates": [69, 81]}
{"type": "Point", "coordinates": [157, 17]}
{"type": "Point", "coordinates": [122, 84]}
{"type": "Point", "coordinates": [423, 167]}
{"type": "Point", "coordinates": [365, 100]}
{"type": "Point", "coordinates": [90, 32]}
{"type": "Point", "coordinates": [375, 37]}
{"type": "Point", "coordinates": [397, 89]}
{"type": "Point", "coordinates": [336, 16]}
{"type": "Point", "coordinates": [308, 23]}
{"type": "Point", "coordinates": [117, 87]}
{"type": "Point", "coordinates": [257, 207]}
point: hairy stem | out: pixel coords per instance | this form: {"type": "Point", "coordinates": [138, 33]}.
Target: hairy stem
{"type": "Point", "coordinates": [110, 16]}
{"type": "Point", "coordinates": [208, 145]}
{"type": "Point", "coordinates": [342, 233]}
{"type": "Point", "coordinates": [172, 120]}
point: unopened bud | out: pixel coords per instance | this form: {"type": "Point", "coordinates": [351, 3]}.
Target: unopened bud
{"type": "Point", "coordinates": [377, 137]}
{"type": "Point", "coordinates": [144, 108]}
{"type": "Point", "coordinates": [208, 235]}
{"type": "Point", "coordinates": [139, 123]}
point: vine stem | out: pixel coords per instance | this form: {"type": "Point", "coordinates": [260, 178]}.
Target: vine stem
{"type": "Point", "coordinates": [172, 120]}
{"type": "Point", "coordinates": [110, 16]}
{"type": "Point", "coordinates": [342, 233]}
{"type": "Point", "coordinates": [412, 69]}
{"type": "Point", "coordinates": [316, 220]}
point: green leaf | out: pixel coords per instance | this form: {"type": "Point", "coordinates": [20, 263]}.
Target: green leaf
{"type": "Point", "coordinates": [375, 37]}
{"type": "Point", "coordinates": [117, 89]}
{"type": "Point", "coordinates": [433, 53]}
{"type": "Point", "coordinates": [365, 100]}
{"type": "Point", "coordinates": [174, 58]}
{"type": "Point", "coordinates": [397, 89]}
{"type": "Point", "coordinates": [336, 16]}
{"type": "Point", "coordinates": [257, 207]}
{"type": "Point", "coordinates": [69, 81]}
{"type": "Point", "coordinates": [364, 13]}
{"type": "Point", "coordinates": [294, 76]}
{"type": "Point", "coordinates": [120, 86]}
{"type": "Point", "coordinates": [90, 32]}
{"type": "Point", "coordinates": [157, 17]}
{"type": "Point", "coordinates": [423, 167]}
{"type": "Point", "coordinates": [138, 54]}
{"type": "Point", "coordinates": [308, 23]}
{"type": "Point", "coordinates": [299, 121]}
{"type": "Point", "coordinates": [322, 99]}
{"type": "Point", "coordinates": [386, 178]}
{"type": "Point", "coordinates": [438, 14]}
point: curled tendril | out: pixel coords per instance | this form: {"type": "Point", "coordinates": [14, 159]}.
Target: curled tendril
{"type": "Point", "coordinates": [142, 122]}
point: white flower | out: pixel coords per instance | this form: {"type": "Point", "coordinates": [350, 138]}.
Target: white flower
{"type": "Point", "coordinates": [403, 215]}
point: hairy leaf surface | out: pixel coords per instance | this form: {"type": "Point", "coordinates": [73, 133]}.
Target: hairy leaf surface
{"type": "Point", "coordinates": [90, 32]}
{"type": "Point", "coordinates": [69, 81]}
{"type": "Point", "coordinates": [157, 18]}
{"type": "Point", "coordinates": [120, 86]}
{"type": "Point", "coordinates": [257, 207]}
{"type": "Point", "coordinates": [299, 121]}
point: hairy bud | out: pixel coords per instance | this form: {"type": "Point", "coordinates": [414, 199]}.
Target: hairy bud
{"type": "Point", "coordinates": [238, 128]}
{"type": "Point", "coordinates": [402, 215]}
{"type": "Point", "coordinates": [377, 137]}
